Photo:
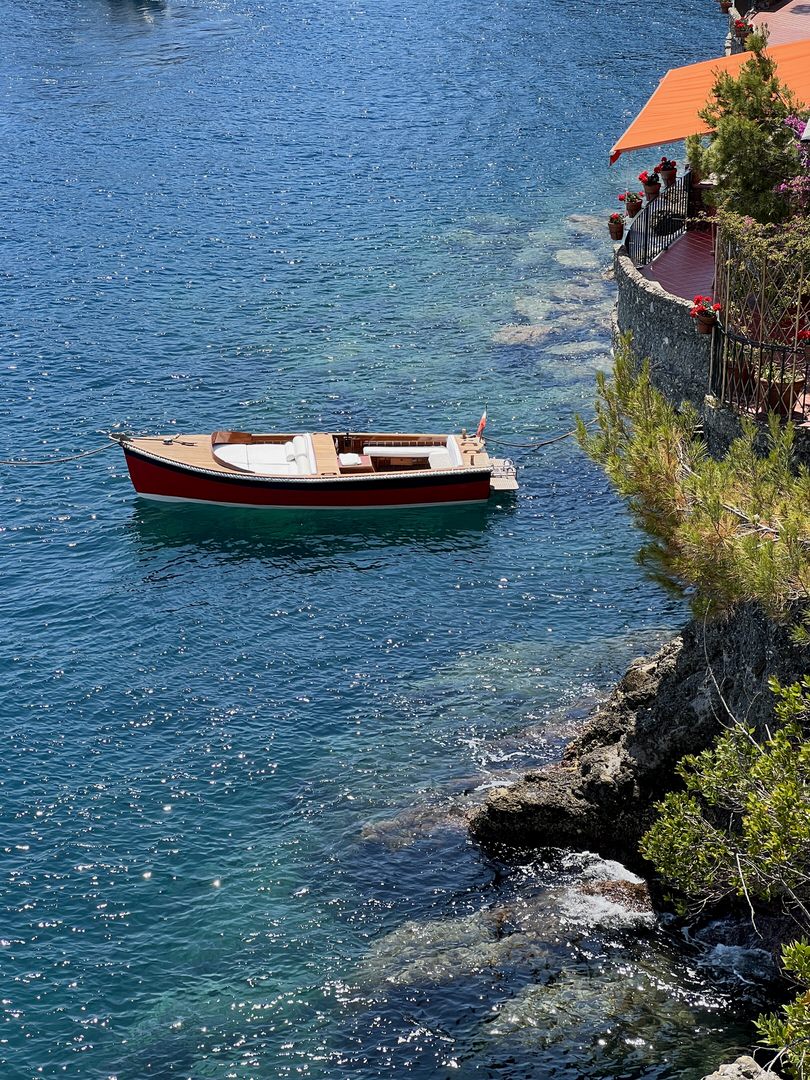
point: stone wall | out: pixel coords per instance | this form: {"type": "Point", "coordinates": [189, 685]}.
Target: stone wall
{"type": "Point", "coordinates": [663, 331]}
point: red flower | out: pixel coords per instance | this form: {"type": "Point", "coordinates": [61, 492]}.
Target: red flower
{"type": "Point", "coordinates": [644, 177]}
{"type": "Point", "coordinates": [717, 307]}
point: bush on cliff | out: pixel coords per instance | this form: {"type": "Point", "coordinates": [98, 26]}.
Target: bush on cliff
{"type": "Point", "coordinates": [732, 530]}
{"type": "Point", "coordinates": [790, 1031]}
{"type": "Point", "coordinates": [741, 826]}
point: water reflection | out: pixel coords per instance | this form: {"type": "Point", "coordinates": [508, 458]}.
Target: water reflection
{"type": "Point", "coordinates": [140, 10]}
{"type": "Point", "coordinates": [240, 533]}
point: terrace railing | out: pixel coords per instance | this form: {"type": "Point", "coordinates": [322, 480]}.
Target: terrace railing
{"type": "Point", "coordinates": [756, 377]}
{"type": "Point", "coordinates": [660, 222]}
{"type": "Point", "coordinates": [761, 352]}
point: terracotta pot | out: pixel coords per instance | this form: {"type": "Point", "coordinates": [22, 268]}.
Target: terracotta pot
{"type": "Point", "coordinates": [725, 6]}
{"type": "Point", "coordinates": [616, 229]}
{"type": "Point", "coordinates": [632, 208]}
{"type": "Point", "coordinates": [668, 176]}
{"type": "Point", "coordinates": [704, 322]}
{"type": "Point", "coordinates": [652, 191]}
{"type": "Point", "coordinates": [781, 397]}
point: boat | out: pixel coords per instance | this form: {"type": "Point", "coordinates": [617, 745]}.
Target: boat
{"type": "Point", "coordinates": [316, 470]}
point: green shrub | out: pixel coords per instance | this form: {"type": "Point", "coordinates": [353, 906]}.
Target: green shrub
{"type": "Point", "coordinates": [733, 530]}
{"type": "Point", "coordinates": [790, 1032]}
{"type": "Point", "coordinates": [741, 827]}
{"type": "Point", "coordinates": [752, 150]}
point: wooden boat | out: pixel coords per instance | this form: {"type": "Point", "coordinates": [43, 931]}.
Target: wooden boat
{"type": "Point", "coordinates": [315, 470]}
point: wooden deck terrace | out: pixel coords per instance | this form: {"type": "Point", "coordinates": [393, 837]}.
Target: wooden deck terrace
{"type": "Point", "coordinates": [686, 268]}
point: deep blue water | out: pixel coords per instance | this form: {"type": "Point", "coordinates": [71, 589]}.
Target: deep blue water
{"type": "Point", "coordinates": [217, 725]}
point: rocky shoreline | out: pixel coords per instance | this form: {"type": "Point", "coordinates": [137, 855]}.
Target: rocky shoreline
{"type": "Point", "coordinates": [601, 795]}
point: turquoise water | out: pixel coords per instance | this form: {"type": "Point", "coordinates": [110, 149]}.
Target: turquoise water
{"type": "Point", "coordinates": [238, 748]}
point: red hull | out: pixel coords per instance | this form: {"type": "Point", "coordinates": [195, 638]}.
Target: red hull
{"type": "Point", "coordinates": [155, 480]}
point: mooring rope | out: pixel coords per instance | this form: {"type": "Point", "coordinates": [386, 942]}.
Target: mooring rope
{"type": "Point", "coordinates": [99, 449]}
{"type": "Point", "coordinates": [538, 445]}
{"type": "Point", "coordinates": [58, 460]}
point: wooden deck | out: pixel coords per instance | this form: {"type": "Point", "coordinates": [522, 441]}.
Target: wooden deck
{"type": "Point", "coordinates": [195, 450]}
{"type": "Point", "coordinates": [686, 268]}
{"type": "Point", "coordinates": [790, 23]}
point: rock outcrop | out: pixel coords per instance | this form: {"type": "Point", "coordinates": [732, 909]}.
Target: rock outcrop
{"type": "Point", "coordinates": [744, 1068]}
{"type": "Point", "coordinates": [601, 795]}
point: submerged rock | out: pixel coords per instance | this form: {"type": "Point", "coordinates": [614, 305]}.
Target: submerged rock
{"type": "Point", "coordinates": [416, 822]}
{"type": "Point", "coordinates": [515, 334]}
{"type": "Point", "coordinates": [586, 225]}
{"type": "Point", "coordinates": [577, 258]}
{"type": "Point", "coordinates": [633, 895]}
{"type": "Point", "coordinates": [579, 348]}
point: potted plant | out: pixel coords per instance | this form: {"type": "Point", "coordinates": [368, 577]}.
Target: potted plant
{"type": "Point", "coordinates": [742, 28]}
{"type": "Point", "coordinates": [725, 6]}
{"type": "Point", "coordinates": [616, 226]}
{"type": "Point", "coordinates": [695, 151]}
{"type": "Point", "coordinates": [667, 169]}
{"type": "Point", "coordinates": [781, 390]}
{"type": "Point", "coordinates": [632, 201]}
{"type": "Point", "coordinates": [651, 182]}
{"type": "Point", "coordinates": [704, 311]}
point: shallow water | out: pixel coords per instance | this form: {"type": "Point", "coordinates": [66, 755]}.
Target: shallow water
{"type": "Point", "coordinates": [236, 744]}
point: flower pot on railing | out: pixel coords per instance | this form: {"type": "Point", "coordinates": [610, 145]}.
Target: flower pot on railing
{"type": "Point", "coordinates": [704, 312]}
{"type": "Point", "coordinates": [651, 183]}
{"type": "Point", "coordinates": [667, 169]}
{"type": "Point", "coordinates": [616, 228]}
{"type": "Point", "coordinates": [632, 201]}
{"type": "Point", "coordinates": [725, 6]}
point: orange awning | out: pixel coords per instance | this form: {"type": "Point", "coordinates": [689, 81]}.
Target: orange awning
{"type": "Point", "coordinates": [672, 112]}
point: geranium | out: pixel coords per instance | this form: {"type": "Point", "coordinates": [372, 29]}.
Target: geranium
{"type": "Point", "coordinates": [666, 165]}
{"type": "Point", "coordinates": [704, 305]}
{"type": "Point", "coordinates": [649, 177]}
{"type": "Point", "coordinates": [630, 197]}
{"type": "Point", "coordinates": [743, 27]}
{"type": "Point", "coordinates": [615, 218]}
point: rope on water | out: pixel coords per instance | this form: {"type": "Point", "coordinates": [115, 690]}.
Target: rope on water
{"type": "Point", "coordinates": [59, 460]}
{"type": "Point", "coordinates": [539, 445]}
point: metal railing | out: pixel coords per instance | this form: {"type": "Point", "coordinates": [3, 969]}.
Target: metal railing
{"type": "Point", "coordinates": [660, 222]}
{"type": "Point", "coordinates": [758, 377]}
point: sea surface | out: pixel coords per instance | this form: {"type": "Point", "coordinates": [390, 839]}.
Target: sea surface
{"type": "Point", "coordinates": [238, 747]}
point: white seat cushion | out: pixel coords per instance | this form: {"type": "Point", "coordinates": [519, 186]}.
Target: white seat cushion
{"type": "Point", "coordinates": [439, 460]}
